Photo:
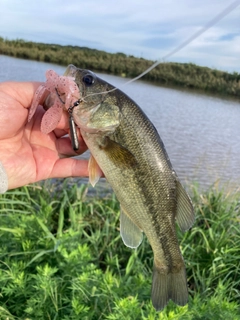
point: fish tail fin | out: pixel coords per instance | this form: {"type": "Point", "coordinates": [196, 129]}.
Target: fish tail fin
{"type": "Point", "coordinates": [166, 286]}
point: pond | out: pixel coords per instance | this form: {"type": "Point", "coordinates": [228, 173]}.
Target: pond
{"type": "Point", "coordinates": [201, 133]}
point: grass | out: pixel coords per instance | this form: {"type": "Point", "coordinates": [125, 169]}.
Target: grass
{"type": "Point", "coordinates": [61, 257]}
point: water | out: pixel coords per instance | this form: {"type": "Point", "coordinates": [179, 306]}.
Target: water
{"type": "Point", "coordinates": [201, 133]}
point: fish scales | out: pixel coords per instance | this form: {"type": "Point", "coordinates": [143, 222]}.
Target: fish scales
{"type": "Point", "coordinates": [131, 154]}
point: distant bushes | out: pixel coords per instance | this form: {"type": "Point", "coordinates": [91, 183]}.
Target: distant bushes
{"type": "Point", "coordinates": [181, 74]}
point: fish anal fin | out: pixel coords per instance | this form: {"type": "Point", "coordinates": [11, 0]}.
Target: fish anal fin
{"type": "Point", "coordinates": [169, 285]}
{"type": "Point", "coordinates": [94, 171]}
{"type": "Point", "coordinates": [185, 214]}
{"type": "Point", "coordinates": [119, 155]}
{"type": "Point", "coordinates": [130, 232]}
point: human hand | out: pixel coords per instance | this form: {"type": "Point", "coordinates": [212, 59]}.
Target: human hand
{"type": "Point", "coordinates": [27, 154]}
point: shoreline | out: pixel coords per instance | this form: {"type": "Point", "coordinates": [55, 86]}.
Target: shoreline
{"type": "Point", "coordinates": [169, 74]}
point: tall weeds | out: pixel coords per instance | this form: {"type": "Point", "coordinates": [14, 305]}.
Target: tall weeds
{"type": "Point", "coordinates": [61, 257]}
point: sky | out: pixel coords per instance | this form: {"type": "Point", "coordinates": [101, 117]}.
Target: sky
{"type": "Point", "coordinates": [144, 28]}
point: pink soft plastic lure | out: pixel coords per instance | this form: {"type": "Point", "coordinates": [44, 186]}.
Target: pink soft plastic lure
{"type": "Point", "coordinates": [61, 92]}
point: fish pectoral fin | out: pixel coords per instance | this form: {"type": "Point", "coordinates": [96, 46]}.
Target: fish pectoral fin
{"type": "Point", "coordinates": [185, 214]}
{"type": "Point", "coordinates": [130, 232]}
{"type": "Point", "coordinates": [94, 171]}
{"type": "Point", "coordinates": [119, 155]}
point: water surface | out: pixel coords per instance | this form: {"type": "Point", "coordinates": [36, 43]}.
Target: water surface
{"type": "Point", "coordinates": [201, 133]}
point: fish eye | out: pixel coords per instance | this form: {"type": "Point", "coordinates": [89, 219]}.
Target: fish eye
{"type": "Point", "coordinates": [88, 79]}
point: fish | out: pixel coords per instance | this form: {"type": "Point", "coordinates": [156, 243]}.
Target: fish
{"type": "Point", "coordinates": [127, 148]}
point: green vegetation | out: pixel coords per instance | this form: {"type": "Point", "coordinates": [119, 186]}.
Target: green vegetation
{"type": "Point", "coordinates": [185, 75]}
{"type": "Point", "coordinates": [61, 257]}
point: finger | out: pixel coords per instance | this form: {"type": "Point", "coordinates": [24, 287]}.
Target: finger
{"type": "Point", "coordinates": [64, 121]}
{"type": "Point", "coordinates": [22, 92]}
{"type": "Point", "coordinates": [60, 132]}
{"type": "Point", "coordinates": [65, 149]}
{"type": "Point", "coordinates": [69, 167]}
{"type": "Point", "coordinates": [37, 120]}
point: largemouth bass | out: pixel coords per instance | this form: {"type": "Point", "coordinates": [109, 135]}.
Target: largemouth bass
{"type": "Point", "coordinates": [126, 146]}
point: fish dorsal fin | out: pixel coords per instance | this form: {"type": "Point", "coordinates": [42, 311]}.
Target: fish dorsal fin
{"type": "Point", "coordinates": [185, 214]}
{"type": "Point", "coordinates": [130, 233]}
{"type": "Point", "coordinates": [94, 171]}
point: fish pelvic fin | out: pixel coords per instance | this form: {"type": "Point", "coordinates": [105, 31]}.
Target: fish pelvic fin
{"type": "Point", "coordinates": [169, 285]}
{"type": "Point", "coordinates": [185, 214]}
{"type": "Point", "coordinates": [130, 232]}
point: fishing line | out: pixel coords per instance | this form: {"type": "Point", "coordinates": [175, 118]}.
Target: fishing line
{"type": "Point", "coordinates": [211, 23]}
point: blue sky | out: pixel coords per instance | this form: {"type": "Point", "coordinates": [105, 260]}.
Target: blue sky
{"type": "Point", "coordinates": [149, 29]}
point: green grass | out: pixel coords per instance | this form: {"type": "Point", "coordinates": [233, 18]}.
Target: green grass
{"type": "Point", "coordinates": [61, 257]}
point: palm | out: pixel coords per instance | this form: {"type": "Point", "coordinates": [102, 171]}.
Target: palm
{"type": "Point", "coordinates": [27, 154]}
